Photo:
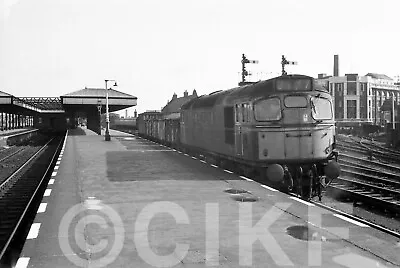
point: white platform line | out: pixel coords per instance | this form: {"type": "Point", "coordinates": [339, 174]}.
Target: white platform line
{"type": "Point", "coordinates": [42, 208]}
{"type": "Point", "coordinates": [302, 201]}
{"type": "Point", "coordinates": [350, 220]}
{"type": "Point", "coordinates": [247, 179]}
{"type": "Point", "coordinates": [22, 262]}
{"type": "Point", "coordinates": [34, 231]}
{"type": "Point", "coordinates": [51, 181]}
{"type": "Point", "coordinates": [213, 165]}
{"type": "Point", "coordinates": [151, 150]}
{"type": "Point", "coordinates": [269, 188]}
{"type": "Point", "coordinates": [56, 167]}
{"type": "Point", "coordinates": [58, 162]}
{"type": "Point", "coordinates": [47, 192]}
{"type": "Point", "coordinates": [54, 174]}
{"type": "Point", "coordinates": [228, 171]}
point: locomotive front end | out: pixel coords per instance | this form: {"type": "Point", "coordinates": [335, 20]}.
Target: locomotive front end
{"type": "Point", "coordinates": [298, 134]}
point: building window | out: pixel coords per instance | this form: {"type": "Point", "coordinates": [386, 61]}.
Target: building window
{"type": "Point", "coordinates": [351, 88]}
{"type": "Point", "coordinates": [363, 89]}
{"type": "Point", "coordinates": [351, 109]}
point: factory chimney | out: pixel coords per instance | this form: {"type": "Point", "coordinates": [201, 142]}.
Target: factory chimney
{"type": "Point", "coordinates": [336, 65]}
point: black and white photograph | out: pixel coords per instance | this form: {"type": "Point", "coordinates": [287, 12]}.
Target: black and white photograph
{"type": "Point", "coordinates": [199, 133]}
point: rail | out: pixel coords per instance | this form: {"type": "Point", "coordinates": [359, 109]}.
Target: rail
{"type": "Point", "coordinates": [9, 181]}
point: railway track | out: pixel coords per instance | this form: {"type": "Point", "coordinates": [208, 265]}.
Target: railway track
{"type": "Point", "coordinates": [20, 194]}
{"type": "Point", "coordinates": [371, 164]}
{"type": "Point", "coordinates": [9, 152]}
{"type": "Point", "coordinates": [372, 152]}
{"type": "Point", "coordinates": [373, 145]}
{"type": "Point", "coordinates": [370, 182]}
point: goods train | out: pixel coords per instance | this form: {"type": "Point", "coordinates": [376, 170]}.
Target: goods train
{"type": "Point", "coordinates": [281, 129]}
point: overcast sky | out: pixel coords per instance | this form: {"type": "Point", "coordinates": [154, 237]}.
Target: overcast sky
{"type": "Point", "coordinates": [154, 48]}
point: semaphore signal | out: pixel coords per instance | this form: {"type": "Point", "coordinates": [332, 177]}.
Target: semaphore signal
{"type": "Point", "coordinates": [286, 62]}
{"type": "Point", "coordinates": [244, 71]}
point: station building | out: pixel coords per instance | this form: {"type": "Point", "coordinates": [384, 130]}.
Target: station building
{"type": "Point", "coordinates": [61, 113]}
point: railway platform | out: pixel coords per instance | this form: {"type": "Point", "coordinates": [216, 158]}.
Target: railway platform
{"type": "Point", "coordinates": [10, 137]}
{"type": "Point", "coordinates": [133, 203]}
{"type": "Point", "coordinates": [6, 133]}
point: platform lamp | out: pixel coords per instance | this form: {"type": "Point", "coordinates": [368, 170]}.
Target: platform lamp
{"type": "Point", "coordinates": [107, 136]}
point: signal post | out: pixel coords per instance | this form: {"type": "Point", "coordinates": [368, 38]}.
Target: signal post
{"type": "Point", "coordinates": [244, 71]}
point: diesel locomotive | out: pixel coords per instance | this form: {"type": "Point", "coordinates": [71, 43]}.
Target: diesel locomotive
{"type": "Point", "coordinates": [281, 129]}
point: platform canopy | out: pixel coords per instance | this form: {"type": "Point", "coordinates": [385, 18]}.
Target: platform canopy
{"type": "Point", "coordinates": [77, 100]}
{"type": "Point", "coordinates": [44, 104]}
{"type": "Point", "coordinates": [97, 96]}
{"type": "Point", "coordinates": [11, 104]}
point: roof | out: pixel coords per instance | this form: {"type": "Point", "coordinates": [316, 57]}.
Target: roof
{"type": "Point", "coordinates": [175, 105]}
{"type": "Point", "coordinates": [44, 103]}
{"type": "Point", "coordinates": [98, 92]}
{"type": "Point", "coordinates": [378, 76]}
{"type": "Point", "coordinates": [251, 91]}
{"type": "Point", "coordinates": [3, 94]}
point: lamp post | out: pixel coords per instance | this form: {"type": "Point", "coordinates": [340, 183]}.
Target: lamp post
{"type": "Point", "coordinates": [99, 109]}
{"type": "Point", "coordinates": [107, 136]}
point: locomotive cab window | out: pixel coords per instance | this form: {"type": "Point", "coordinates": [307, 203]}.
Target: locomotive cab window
{"type": "Point", "coordinates": [268, 110]}
{"type": "Point", "coordinates": [295, 101]}
{"type": "Point", "coordinates": [321, 108]}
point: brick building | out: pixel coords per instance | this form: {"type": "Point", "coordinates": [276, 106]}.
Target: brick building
{"type": "Point", "coordinates": [173, 107]}
{"type": "Point", "coordinates": [359, 99]}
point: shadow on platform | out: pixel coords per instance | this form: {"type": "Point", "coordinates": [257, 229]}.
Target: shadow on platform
{"type": "Point", "coordinates": [158, 165]}
{"type": "Point", "coordinates": [77, 132]}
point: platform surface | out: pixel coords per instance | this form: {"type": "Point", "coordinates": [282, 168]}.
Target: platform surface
{"type": "Point", "coordinates": [10, 132]}
{"type": "Point", "coordinates": [133, 203]}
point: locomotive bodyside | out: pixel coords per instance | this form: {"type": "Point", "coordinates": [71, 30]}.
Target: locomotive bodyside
{"type": "Point", "coordinates": [283, 128]}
